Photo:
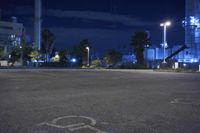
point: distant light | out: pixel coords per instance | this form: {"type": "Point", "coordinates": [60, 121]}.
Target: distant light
{"type": "Point", "coordinates": [194, 21]}
{"type": "Point", "coordinates": [34, 60]}
{"type": "Point", "coordinates": [87, 48]}
{"type": "Point", "coordinates": [184, 65]}
{"type": "Point", "coordinates": [179, 60]}
{"type": "Point", "coordinates": [73, 60]}
{"type": "Point", "coordinates": [166, 45]}
{"type": "Point", "coordinates": [39, 61]}
{"type": "Point", "coordinates": [168, 23]}
{"type": "Point", "coordinates": [12, 37]}
{"type": "Point", "coordinates": [195, 60]}
{"type": "Point", "coordinates": [57, 56]}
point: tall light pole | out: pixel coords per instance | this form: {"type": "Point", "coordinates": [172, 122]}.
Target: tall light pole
{"type": "Point", "coordinates": [88, 56]}
{"type": "Point", "coordinates": [164, 25]}
{"type": "Point", "coordinates": [21, 57]}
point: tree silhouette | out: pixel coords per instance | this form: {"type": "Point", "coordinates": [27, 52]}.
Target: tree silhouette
{"type": "Point", "coordinates": [139, 41]}
{"type": "Point", "coordinates": [48, 40]}
{"type": "Point", "coordinates": [112, 57]}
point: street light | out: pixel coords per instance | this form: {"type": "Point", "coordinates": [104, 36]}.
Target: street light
{"type": "Point", "coordinates": [164, 25]}
{"type": "Point", "coordinates": [88, 56]}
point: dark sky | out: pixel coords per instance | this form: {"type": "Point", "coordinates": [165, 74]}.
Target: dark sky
{"type": "Point", "coordinates": [106, 23]}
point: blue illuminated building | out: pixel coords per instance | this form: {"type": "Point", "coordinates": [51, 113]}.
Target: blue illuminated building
{"type": "Point", "coordinates": [192, 31]}
{"type": "Point", "coordinates": [188, 53]}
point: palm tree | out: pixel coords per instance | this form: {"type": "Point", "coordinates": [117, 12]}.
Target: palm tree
{"type": "Point", "coordinates": [48, 39]}
{"type": "Point", "coordinates": [139, 41]}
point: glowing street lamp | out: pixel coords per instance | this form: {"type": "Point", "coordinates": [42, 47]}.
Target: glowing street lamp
{"type": "Point", "coordinates": [164, 25]}
{"type": "Point", "coordinates": [88, 55]}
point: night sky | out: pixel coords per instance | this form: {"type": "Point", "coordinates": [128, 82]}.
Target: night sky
{"type": "Point", "coordinates": [106, 23]}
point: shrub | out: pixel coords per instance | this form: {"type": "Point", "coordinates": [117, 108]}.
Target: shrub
{"type": "Point", "coordinates": [96, 63]}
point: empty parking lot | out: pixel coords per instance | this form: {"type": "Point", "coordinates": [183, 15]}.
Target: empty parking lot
{"type": "Point", "coordinates": [98, 101]}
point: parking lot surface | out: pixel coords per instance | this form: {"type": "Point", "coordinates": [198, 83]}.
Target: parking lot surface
{"type": "Point", "coordinates": [98, 101]}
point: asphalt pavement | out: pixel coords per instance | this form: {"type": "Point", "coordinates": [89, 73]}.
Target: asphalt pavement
{"type": "Point", "coordinates": [99, 101]}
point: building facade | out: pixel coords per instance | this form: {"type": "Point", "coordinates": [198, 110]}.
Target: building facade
{"type": "Point", "coordinates": [10, 35]}
{"type": "Point", "coordinates": [192, 30]}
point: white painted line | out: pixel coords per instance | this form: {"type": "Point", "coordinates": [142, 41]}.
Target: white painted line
{"type": "Point", "coordinates": [87, 127]}
{"type": "Point", "coordinates": [185, 101]}
{"type": "Point", "coordinates": [61, 126]}
{"type": "Point", "coordinates": [73, 127]}
{"type": "Point", "coordinates": [93, 121]}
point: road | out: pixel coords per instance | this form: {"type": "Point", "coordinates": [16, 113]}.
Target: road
{"type": "Point", "coordinates": [89, 101]}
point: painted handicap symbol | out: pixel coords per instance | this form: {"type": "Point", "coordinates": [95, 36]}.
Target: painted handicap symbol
{"type": "Point", "coordinates": [88, 123]}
